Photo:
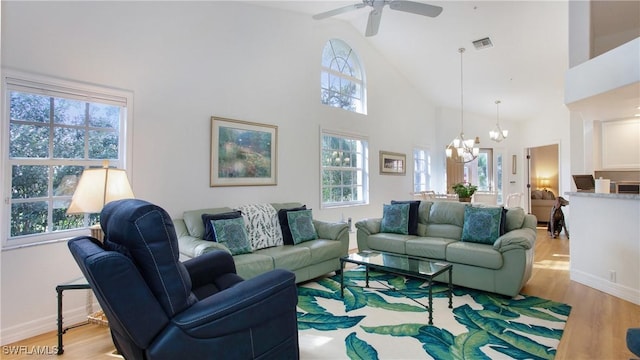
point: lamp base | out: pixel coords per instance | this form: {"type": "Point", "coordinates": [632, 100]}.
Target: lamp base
{"type": "Point", "coordinates": [96, 232]}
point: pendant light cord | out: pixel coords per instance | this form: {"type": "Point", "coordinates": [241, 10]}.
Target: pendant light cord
{"type": "Point", "coordinates": [461, 50]}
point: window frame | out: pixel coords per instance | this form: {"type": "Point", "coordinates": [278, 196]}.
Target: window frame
{"type": "Point", "coordinates": [328, 71]}
{"type": "Point", "coordinates": [364, 169]}
{"type": "Point", "coordinates": [13, 80]}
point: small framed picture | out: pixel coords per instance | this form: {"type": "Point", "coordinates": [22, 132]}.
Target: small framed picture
{"type": "Point", "coordinates": [243, 153]}
{"type": "Point", "coordinates": [393, 163]}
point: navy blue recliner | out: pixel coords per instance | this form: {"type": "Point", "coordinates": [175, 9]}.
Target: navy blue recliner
{"type": "Point", "coordinates": [160, 308]}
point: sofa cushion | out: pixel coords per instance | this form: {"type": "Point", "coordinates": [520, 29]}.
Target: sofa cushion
{"type": "Point", "coordinates": [429, 247]}
{"type": "Point", "coordinates": [389, 242]}
{"type": "Point", "coordinates": [284, 223]}
{"type": "Point", "coordinates": [290, 257]}
{"type": "Point", "coordinates": [323, 249]}
{"type": "Point", "coordinates": [423, 212]}
{"type": "Point", "coordinates": [263, 227]}
{"type": "Point", "coordinates": [251, 265]}
{"type": "Point", "coordinates": [447, 212]}
{"type": "Point", "coordinates": [515, 219]}
{"type": "Point", "coordinates": [414, 206]}
{"type": "Point", "coordinates": [395, 219]}
{"type": "Point", "coordinates": [481, 224]}
{"type": "Point", "coordinates": [207, 219]}
{"type": "Point", "coordinates": [474, 254]}
{"type": "Point", "coordinates": [444, 231]}
{"type": "Point", "coordinates": [232, 233]}
{"type": "Point", "coordinates": [301, 225]}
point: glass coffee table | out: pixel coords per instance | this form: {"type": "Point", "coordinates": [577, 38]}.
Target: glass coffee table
{"type": "Point", "coordinates": [412, 266]}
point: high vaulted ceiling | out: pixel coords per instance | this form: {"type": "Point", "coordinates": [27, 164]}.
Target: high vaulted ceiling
{"type": "Point", "coordinates": [525, 68]}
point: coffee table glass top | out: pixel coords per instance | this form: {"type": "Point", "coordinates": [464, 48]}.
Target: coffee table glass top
{"type": "Point", "coordinates": [400, 262]}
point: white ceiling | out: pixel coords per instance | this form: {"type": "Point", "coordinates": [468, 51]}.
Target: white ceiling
{"type": "Point", "coordinates": [524, 69]}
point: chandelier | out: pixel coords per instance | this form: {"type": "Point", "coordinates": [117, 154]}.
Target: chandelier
{"type": "Point", "coordinates": [466, 149]}
{"type": "Point", "coordinates": [498, 134]}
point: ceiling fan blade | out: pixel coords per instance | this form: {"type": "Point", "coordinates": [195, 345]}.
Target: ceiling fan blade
{"type": "Point", "coordinates": [373, 24]}
{"type": "Point", "coordinates": [415, 8]}
{"type": "Point", "coordinates": [338, 11]}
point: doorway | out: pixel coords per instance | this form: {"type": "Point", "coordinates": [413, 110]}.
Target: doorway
{"type": "Point", "coordinates": [543, 184]}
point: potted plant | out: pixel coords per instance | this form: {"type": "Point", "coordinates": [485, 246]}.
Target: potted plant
{"type": "Point", "coordinates": [464, 191]}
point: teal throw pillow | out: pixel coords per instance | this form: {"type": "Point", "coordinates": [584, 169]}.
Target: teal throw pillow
{"type": "Point", "coordinates": [481, 224]}
{"type": "Point", "coordinates": [301, 226]}
{"type": "Point", "coordinates": [232, 234]}
{"type": "Point", "coordinates": [395, 218]}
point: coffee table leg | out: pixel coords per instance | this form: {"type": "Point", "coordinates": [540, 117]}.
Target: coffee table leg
{"type": "Point", "coordinates": [367, 275]}
{"type": "Point", "coordinates": [450, 290]}
{"type": "Point", "coordinates": [430, 303]}
{"type": "Point", "coordinates": [341, 278]}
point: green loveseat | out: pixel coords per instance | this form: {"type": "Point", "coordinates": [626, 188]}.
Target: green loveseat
{"type": "Point", "coordinates": [308, 260]}
{"type": "Point", "coordinates": [503, 267]}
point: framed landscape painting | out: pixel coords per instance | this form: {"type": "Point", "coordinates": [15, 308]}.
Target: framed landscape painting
{"type": "Point", "coordinates": [393, 163]}
{"type": "Point", "coordinates": [243, 153]}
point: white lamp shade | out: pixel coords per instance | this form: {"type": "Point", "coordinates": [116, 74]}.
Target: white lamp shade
{"type": "Point", "coordinates": [98, 187]}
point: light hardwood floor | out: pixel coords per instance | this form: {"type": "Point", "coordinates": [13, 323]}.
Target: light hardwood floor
{"type": "Point", "coordinates": [596, 328]}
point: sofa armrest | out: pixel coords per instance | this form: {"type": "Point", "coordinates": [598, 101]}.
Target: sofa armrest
{"type": "Point", "coordinates": [192, 246]}
{"type": "Point", "coordinates": [516, 239]}
{"type": "Point", "coordinates": [331, 230]}
{"type": "Point", "coordinates": [369, 226]}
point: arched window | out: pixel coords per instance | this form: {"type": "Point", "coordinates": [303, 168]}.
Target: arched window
{"type": "Point", "coordinates": [342, 77]}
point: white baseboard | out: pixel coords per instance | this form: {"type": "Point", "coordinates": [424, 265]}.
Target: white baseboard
{"type": "Point", "coordinates": [611, 288]}
{"type": "Point", "coordinates": [45, 324]}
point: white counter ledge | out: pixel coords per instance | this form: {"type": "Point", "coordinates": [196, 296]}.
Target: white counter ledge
{"type": "Point", "coordinates": [604, 196]}
{"type": "Point", "coordinates": [605, 242]}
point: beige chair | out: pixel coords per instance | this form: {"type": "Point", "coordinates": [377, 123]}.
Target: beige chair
{"type": "Point", "coordinates": [513, 200]}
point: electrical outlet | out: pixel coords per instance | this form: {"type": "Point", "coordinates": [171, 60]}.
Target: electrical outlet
{"type": "Point", "coordinates": [612, 276]}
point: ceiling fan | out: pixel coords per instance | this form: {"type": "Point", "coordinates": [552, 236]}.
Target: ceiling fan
{"type": "Point", "coordinates": [376, 14]}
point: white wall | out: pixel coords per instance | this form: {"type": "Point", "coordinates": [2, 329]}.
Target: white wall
{"type": "Point", "coordinates": [186, 62]}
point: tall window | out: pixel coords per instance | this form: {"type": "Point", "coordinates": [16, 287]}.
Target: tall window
{"type": "Point", "coordinates": [54, 133]}
{"type": "Point", "coordinates": [342, 78]}
{"type": "Point", "coordinates": [344, 170]}
{"type": "Point", "coordinates": [421, 170]}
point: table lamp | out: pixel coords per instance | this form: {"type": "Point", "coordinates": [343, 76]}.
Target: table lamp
{"type": "Point", "coordinates": [96, 188]}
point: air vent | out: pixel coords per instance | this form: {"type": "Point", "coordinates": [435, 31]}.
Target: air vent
{"type": "Point", "coordinates": [483, 43]}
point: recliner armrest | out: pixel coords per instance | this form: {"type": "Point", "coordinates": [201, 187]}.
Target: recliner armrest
{"type": "Point", "coordinates": [206, 268]}
{"type": "Point", "coordinates": [241, 306]}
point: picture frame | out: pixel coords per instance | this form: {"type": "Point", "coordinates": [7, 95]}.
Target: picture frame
{"type": "Point", "coordinates": [243, 153]}
{"type": "Point", "coordinates": [393, 163]}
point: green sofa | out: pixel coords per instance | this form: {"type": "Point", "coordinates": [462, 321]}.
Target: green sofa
{"type": "Point", "coordinates": [501, 268]}
{"type": "Point", "coordinates": [308, 260]}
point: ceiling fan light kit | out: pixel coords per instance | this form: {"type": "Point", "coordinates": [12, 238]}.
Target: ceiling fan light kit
{"type": "Point", "coordinates": [375, 15]}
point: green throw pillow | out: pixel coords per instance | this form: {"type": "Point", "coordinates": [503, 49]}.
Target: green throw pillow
{"type": "Point", "coordinates": [395, 218]}
{"type": "Point", "coordinates": [301, 226]}
{"type": "Point", "coordinates": [481, 224]}
{"type": "Point", "coordinates": [232, 234]}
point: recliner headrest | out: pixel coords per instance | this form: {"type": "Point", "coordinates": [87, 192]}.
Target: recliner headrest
{"type": "Point", "coordinates": [145, 232]}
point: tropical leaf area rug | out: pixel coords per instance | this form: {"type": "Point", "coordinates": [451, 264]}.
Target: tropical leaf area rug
{"type": "Point", "coordinates": [382, 323]}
